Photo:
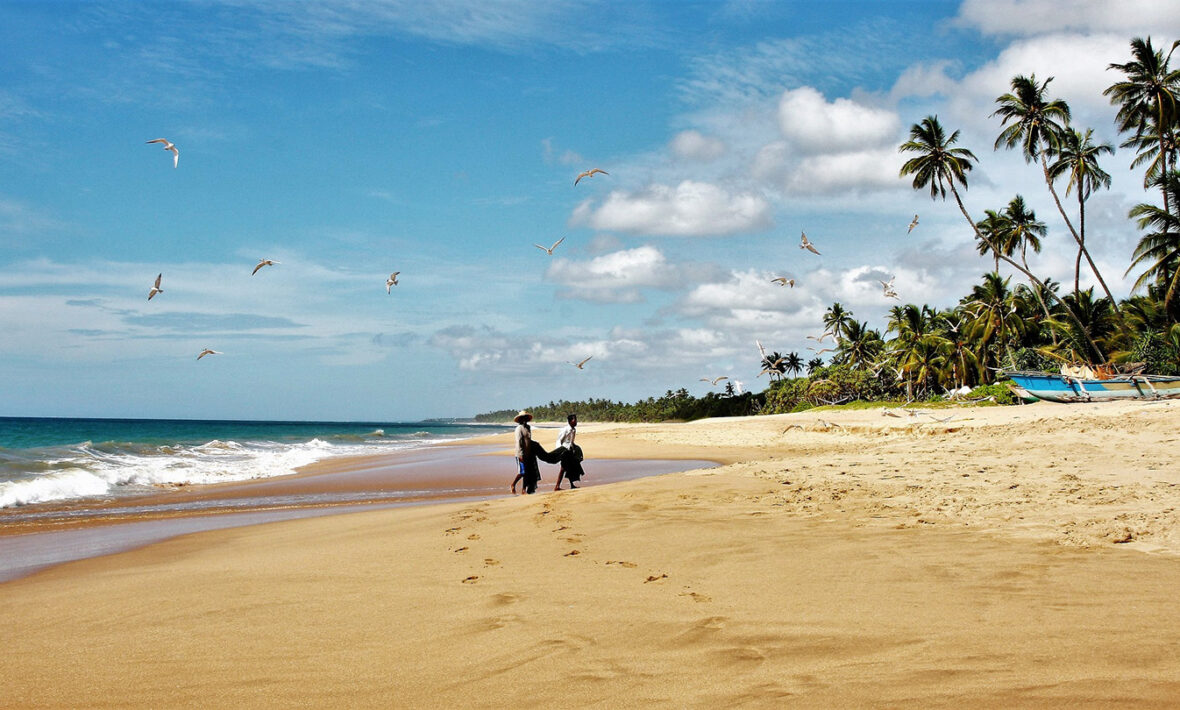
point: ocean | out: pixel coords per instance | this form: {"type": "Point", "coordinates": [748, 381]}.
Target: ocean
{"type": "Point", "coordinates": [59, 459]}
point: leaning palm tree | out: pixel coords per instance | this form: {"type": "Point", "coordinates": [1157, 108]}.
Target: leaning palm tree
{"type": "Point", "coordinates": [1038, 125]}
{"type": "Point", "coordinates": [1077, 156]}
{"type": "Point", "coordinates": [1148, 98]}
{"type": "Point", "coordinates": [1158, 251]}
{"type": "Point", "coordinates": [939, 165]}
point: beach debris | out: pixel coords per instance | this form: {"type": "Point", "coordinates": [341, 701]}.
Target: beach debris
{"type": "Point", "coordinates": [391, 281]}
{"type": "Point", "coordinates": [208, 351]}
{"type": "Point", "coordinates": [156, 287]}
{"type": "Point", "coordinates": [168, 145]}
{"type": "Point", "coordinates": [715, 380]}
{"type": "Point", "coordinates": [784, 281]}
{"type": "Point", "coordinates": [262, 263]}
{"type": "Point", "coordinates": [549, 250]}
{"type": "Point", "coordinates": [580, 364]}
{"type": "Point", "coordinates": [805, 243]}
{"type": "Point", "coordinates": [912, 225]}
{"type": "Point", "coordinates": [589, 173]}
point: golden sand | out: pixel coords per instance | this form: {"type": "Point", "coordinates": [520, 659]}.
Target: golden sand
{"type": "Point", "coordinates": [1010, 557]}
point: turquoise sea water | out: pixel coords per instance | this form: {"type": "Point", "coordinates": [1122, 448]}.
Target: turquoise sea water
{"type": "Point", "coordinates": [50, 459]}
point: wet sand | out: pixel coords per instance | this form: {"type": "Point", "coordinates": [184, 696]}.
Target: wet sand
{"type": "Point", "coordinates": [1015, 557]}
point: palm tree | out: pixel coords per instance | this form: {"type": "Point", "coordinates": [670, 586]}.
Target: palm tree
{"type": "Point", "coordinates": [1099, 318]}
{"type": "Point", "coordinates": [1077, 157]}
{"type": "Point", "coordinates": [1038, 125]}
{"type": "Point", "coordinates": [814, 364]}
{"type": "Point", "coordinates": [992, 318]}
{"type": "Point", "coordinates": [1147, 99]}
{"type": "Point", "coordinates": [793, 363]}
{"type": "Point", "coordinates": [1022, 229]}
{"type": "Point", "coordinates": [860, 347]}
{"type": "Point", "coordinates": [836, 320]}
{"type": "Point", "coordinates": [775, 364]}
{"type": "Point", "coordinates": [1159, 251]}
{"type": "Point", "coordinates": [992, 229]}
{"type": "Point", "coordinates": [939, 165]}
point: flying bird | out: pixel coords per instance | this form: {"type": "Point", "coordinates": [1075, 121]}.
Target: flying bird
{"type": "Point", "coordinates": [820, 339]}
{"type": "Point", "coordinates": [888, 291]}
{"type": "Point", "coordinates": [579, 364]}
{"type": "Point", "coordinates": [821, 352]}
{"type": "Point", "coordinates": [738, 386]}
{"type": "Point", "coordinates": [771, 367]}
{"type": "Point", "coordinates": [262, 263]}
{"type": "Point", "coordinates": [549, 250]}
{"type": "Point", "coordinates": [806, 244]}
{"type": "Point", "coordinates": [207, 351]}
{"type": "Point", "coordinates": [783, 281]}
{"type": "Point", "coordinates": [168, 145]}
{"type": "Point", "coordinates": [912, 225]}
{"type": "Point", "coordinates": [391, 281]}
{"type": "Point", "coordinates": [156, 288]}
{"type": "Point", "coordinates": [715, 380]}
{"type": "Point", "coordinates": [589, 173]}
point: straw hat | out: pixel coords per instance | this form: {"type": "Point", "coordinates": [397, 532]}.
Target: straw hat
{"type": "Point", "coordinates": [522, 416]}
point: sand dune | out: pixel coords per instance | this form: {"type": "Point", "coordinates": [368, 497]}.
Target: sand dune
{"type": "Point", "coordinates": [1025, 556]}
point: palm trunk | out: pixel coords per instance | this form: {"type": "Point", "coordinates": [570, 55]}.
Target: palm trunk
{"type": "Point", "coordinates": [1030, 276]}
{"type": "Point", "coordinates": [1077, 238]}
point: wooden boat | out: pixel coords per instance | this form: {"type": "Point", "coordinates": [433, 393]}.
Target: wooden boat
{"type": "Point", "coordinates": [1069, 388]}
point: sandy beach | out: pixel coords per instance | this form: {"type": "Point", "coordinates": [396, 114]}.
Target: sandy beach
{"type": "Point", "coordinates": [1007, 557]}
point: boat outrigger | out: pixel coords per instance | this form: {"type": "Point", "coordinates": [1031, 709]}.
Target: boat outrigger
{"type": "Point", "coordinates": [1065, 387]}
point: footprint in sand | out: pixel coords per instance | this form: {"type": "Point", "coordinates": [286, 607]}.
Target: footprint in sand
{"type": "Point", "coordinates": [505, 598]}
{"type": "Point", "coordinates": [571, 553]}
{"type": "Point", "coordinates": [461, 549]}
{"type": "Point", "coordinates": [697, 596]}
{"type": "Point", "coordinates": [490, 562]}
{"type": "Point", "coordinates": [472, 579]}
{"type": "Point", "coordinates": [452, 531]}
{"type": "Point", "coordinates": [629, 565]}
{"type": "Point", "coordinates": [655, 578]}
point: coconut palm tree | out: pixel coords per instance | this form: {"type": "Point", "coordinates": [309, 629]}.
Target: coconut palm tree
{"type": "Point", "coordinates": [992, 228]}
{"type": "Point", "coordinates": [1023, 230]}
{"type": "Point", "coordinates": [1038, 125]}
{"type": "Point", "coordinates": [939, 165]}
{"type": "Point", "coordinates": [1148, 98]}
{"type": "Point", "coordinates": [1076, 156]}
{"type": "Point", "coordinates": [793, 363]}
{"type": "Point", "coordinates": [1158, 251]}
{"type": "Point", "coordinates": [836, 320]}
{"type": "Point", "coordinates": [860, 347]}
{"type": "Point", "coordinates": [814, 364]}
{"type": "Point", "coordinates": [992, 318]}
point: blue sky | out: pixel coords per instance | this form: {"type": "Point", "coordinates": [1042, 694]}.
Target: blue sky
{"type": "Point", "coordinates": [347, 140]}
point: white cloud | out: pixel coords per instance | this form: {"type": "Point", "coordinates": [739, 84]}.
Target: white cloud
{"type": "Point", "coordinates": [876, 168]}
{"type": "Point", "coordinates": [1029, 17]}
{"type": "Point", "coordinates": [617, 277]}
{"type": "Point", "coordinates": [814, 125]}
{"type": "Point", "coordinates": [694, 145]}
{"type": "Point", "coordinates": [689, 209]}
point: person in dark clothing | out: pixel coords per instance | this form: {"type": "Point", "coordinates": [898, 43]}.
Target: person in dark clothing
{"type": "Point", "coordinates": [571, 457]}
{"type": "Point", "coordinates": [527, 453]}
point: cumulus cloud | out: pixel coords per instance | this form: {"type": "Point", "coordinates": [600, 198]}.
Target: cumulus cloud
{"type": "Point", "coordinates": [617, 277]}
{"type": "Point", "coordinates": [840, 171]}
{"type": "Point", "coordinates": [694, 145]}
{"type": "Point", "coordinates": [1029, 17]}
{"type": "Point", "coordinates": [689, 209]}
{"type": "Point", "coordinates": [815, 125]}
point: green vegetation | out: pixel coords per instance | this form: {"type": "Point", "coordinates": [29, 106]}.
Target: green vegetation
{"type": "Point", "coordinates": [1032, 324]}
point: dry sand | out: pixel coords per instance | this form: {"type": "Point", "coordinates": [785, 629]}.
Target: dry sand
{"type": "Point", "coordinates": [1011, 557]}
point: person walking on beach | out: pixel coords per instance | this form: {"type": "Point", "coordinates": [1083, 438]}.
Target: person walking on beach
{"type": "Point", "coordinates": [527, 453]}
{"type": "Point", "coordinates": [571, 453]}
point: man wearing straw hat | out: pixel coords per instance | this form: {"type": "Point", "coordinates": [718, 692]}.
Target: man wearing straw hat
{"type": "Point", "coordinates": [527, 453]}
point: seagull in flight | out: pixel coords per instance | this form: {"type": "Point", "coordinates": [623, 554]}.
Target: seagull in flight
{"type": "Point", "coordinates": [888, 288]}
{"type": "Point", "coordinates": [821, 352]}
{"type": "Point", "coordinates": [771, 367]}
{"type": "Point", "coordinates": [820, 339]}
{"type": "Point", "coordinates": [715, 380]}
{"type": "Point", "coordinates": [549, 250]}
{"type": "Point", "coordinates": [738, 386]}
{"type": "Point", "coordinates": [912, 225]}
{"type": "Point", "coordinates": [156, 288]}
{"type": "Point", "coordinates": [168, 145]}
{"type": "Point", "coordinates": [805, 243]}
{"type": "Point", "coordinates": [391, 281]}
{"type": "Point", "coordinates": [589, 173]}
{"type": "Point", "coordinates": [262, 263]}
{"type": "Point", "coordinates": [207, 351]}
{"type": "Point", "coordinates": [783, 281]}
{"type": "Point", "coordinates": [579, 364]}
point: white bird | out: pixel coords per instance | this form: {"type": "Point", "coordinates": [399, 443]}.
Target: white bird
{"type": "Point", "coordinates": [941, 421]}
{"type": "Point", "coordinates": [549, 250]}
{"type": "Point", "coordinates": [738, 386]}
{"type": "Point", "coordinates": [168, 145]}
{"type": "Point", "coordinates": [589, 173]}
{"type": "Point", "coordinates": [912, 225]}
{"type": "Point", "coordinates": [820, 339]}
{"type": "Point", "coordinates": [805, 243]}
{"type": "Point", "coordinates": [715, 380]}
{"type": "Point", "coordinates": [784, 281]}
{"type": "Point", "coordinates": [207, 351]}
{"type": "Point", "coordinates": [761, 349]}
{"type": "Point", "coordinates": [262, 263]}
{"type": "Point", "coordinates": [771, 367]}
{"type": "Point", "coordinates": [579, 364]}
{"type": "Point", "coordinates": [156, 288]}
{"type": "Point", "coordinates": [391, 281]}
{"type": "Point", "coordinates": [821, 352]}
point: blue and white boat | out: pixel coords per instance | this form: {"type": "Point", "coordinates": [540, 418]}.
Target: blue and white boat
{"type": "Point", "coordinates": [1070, 388]}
